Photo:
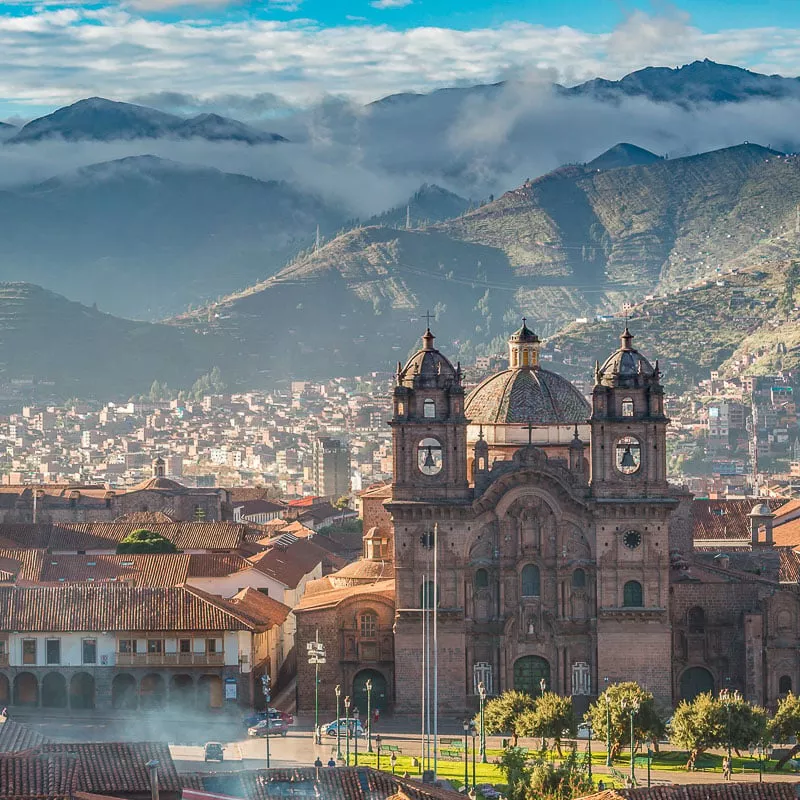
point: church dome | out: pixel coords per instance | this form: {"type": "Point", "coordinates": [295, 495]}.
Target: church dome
{"type": "Point", "coordinates": [526, 395]}
{"type": "Point", "coordinates": [427, 365]}
{"type": "Point", "coordinates": [625, 366]}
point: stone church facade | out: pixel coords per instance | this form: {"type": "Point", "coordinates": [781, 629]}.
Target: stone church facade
{"type": "Point", "coordinates": [565, 558]}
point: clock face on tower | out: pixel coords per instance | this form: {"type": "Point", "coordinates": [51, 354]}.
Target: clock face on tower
{"type": "Point", "coordinates": [631, 539]}
{"type": "Point", "coordinates": [429, 456]}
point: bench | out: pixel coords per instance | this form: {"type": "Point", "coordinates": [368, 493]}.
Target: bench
{"type": "Point", "coordinates": [454, 753]}
{"type": "Point", "coordinates": [703, 763]}
{"type": "Point", "coordinates": [391, 748]}
{"type": "Point", "coordinates": [451, 742]}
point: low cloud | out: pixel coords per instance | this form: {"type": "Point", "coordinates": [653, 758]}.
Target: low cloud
{"type": "Point", "coordinates": [391, 3]}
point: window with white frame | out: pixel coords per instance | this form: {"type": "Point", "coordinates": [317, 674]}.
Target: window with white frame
{"type": "Point", "coordinates": [482, 672]}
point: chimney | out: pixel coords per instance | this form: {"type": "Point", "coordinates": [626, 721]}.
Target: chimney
{"type": "Point", "coordinates": [152, 765]}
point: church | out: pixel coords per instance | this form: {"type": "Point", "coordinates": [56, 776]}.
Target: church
{"type": "Point", "coordinates": [565, 558]}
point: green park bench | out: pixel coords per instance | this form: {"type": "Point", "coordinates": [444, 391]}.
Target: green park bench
{"type": "Point", "coordinates": [704, 763]}
{"type": "Point", "coordinates": [452, 743]}
{"type": "Point", "coordinates": [641, 761]}
{"type": "Point", "coordinates": [451, 752]}
{"type": "Point", "coordinates": [391, 748]}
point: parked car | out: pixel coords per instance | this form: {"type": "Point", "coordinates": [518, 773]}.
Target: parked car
{"type": "Point", "coordinates": [214, 751]}
{"type": "Point", "coordinates": [356, 728]}
{"type": "Point", "coordinates": [277, 727]}
{"type": "Point", "coordinates": [274, 713]}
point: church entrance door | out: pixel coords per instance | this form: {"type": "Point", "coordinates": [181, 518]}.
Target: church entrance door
{"type": "Point", "coordinates": [528, 673]}
{"type": "Point", "coordinates": [379, 698]}
{"type": "Point", "coordinates": [695, 681]}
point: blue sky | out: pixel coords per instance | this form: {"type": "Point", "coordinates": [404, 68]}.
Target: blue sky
{"type": "Point", "coordinates": [53, 52]}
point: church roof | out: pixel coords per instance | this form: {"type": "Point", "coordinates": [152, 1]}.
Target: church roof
{"type": "Point", "coordinates": [625, 365]}
{"type": "Point", "coordinates": [526, 395]}
{"type": "Point", "coordinates": [427, 363]}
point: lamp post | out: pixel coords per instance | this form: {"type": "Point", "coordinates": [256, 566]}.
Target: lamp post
{"type": "Point", "coordinates": [347, 729]}
{"type": "Point", "coordinates": [482, 698]}
{"type": "Point", "coordinates": [727, 698]}
{"type": "Point", "coordinates": [542, 687]}
{"type": "Point", "coordinates": [649, 759]}
{"type": "Point", "coordinates": [338, 691]}
{"type": "Point", "coordinates": [473, 733]}
{"type": "Point", "coordinates": [316, 656]}
{"type": "Point", "coordinates": [368, 687]}
{"type": "Point", "coordinates": [267, 698]}
{"type": "Point", "coordinates": [633, 710]}
{"type": "Point", "coordinates": [355, 733]}
{"type": "Point", "coordinates": [378, 748]}
{"type": "Point", "coordinates": [466, 755]}
{"type": "Point", "coordinates": [762, 750]}
{"type": "Point", "coordinates": [608, 724]}
{"type": "Point", "coordinates": [589, 752]}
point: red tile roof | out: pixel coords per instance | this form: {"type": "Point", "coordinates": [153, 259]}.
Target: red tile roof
{"type": "Point", "coordinates": [15, 737]}
{"type": "Point", "coordinates": [704, 791]}
{"type": "Point", "coordinates": [289, 564]}
{"type": "Point", "coordinates": [114, 607]}
{"type": "Point", "coordinates": [724, 519]}
{"type": "Point", "coordinates": [789, 570]}
{"type": "Point", "coordinates": [788, 534]}
{"type": "Point", "coordinates": [260, 608]}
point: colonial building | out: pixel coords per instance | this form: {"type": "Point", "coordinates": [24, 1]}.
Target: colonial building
{"type": "Point", "coordinates": [564, 555]}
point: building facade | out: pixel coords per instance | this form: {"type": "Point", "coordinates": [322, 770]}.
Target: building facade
{"type": "Point", "coordinates": [331, 465]}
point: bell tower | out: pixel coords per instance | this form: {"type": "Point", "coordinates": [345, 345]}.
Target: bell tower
{"type": "Point", "coordinates": [429, 428]}
{"type": "Point", "coordinates": [633, 504]}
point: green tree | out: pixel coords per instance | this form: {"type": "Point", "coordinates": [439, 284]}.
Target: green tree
{"type": "Point", "coordinates": [144, 541]}
{"type": "Point", "coordinates": [748, 723]}
{"type": "Point", "coordinates": [551, 717]}
{"type": "Point", "coordinates": [647, 723]}
{"type": "Point", "coordinates": [785, 725]}
{"type": "Point", "coordinates": [513, 763]}
{"type": "Point", "coordinates": [549, 781]}
{"type": "Point", "coordinates": [501, 714]}
{"type": "Point", "coordinates": [698, 725]}
{"type": "Point", "coordinates": [343, 503]}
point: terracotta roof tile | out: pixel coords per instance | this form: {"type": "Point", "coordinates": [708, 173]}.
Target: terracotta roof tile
{"type": "Point", "coordinates": [260, 608]}
{"type": "Point", "coordinates": [788, 534]}
{"type": "Point", "coordinates": [114, 607]}
{"type": "Point", "coordinates": [724, 519]}
{"type": "Point", "coordinates": [289, 564]}
{"type": "Point", "coordinates": [15, 737]}
{"type": "Point", "coordinates": [703, 791]}
{"type": "Point", "coordinates": [327, 599]}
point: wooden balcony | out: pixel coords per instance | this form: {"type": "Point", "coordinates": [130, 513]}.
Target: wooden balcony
{"type": "Point", "coordinates": [170, 659]}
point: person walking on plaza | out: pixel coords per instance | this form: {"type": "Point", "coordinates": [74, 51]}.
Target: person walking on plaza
{"type": "Point", "coordinates": [726, 768]}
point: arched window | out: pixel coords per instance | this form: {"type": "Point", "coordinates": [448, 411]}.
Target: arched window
{"type": "Point", "coordinates": [429, 409]}
{"type": "Point", "coordinates": [368, 625]}
{"type": "Point", "coordinates": [426, 594]}
{"type": "Point", "coordinates": [578, 579]}
{"type": "Point", "coordinates": [627, 407]}
{"type": "Point", "coordinates": [696, 619]}
{"type": "Point", "coordinates": [632, 596]}
{"type": "Point", "coordinates": [530, 580]}
{"type": "Point", "coordinates": [524, 358]}
{"type": "Point", "coordinates": [784, 685]}
{"type": "Point", "coordinates": [481, 579]}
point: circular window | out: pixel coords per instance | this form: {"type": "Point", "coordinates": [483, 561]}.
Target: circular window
{"type": "Point", "coordinates": [429, 456]}
{"type": "Point", "coordinates": [628, 455]}
{"type": "Point", "coordinates": [631, 539]}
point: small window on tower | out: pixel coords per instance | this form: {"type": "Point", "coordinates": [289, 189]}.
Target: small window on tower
{"type": "Point", "coordinates": [627, 407]}
{"type": "Point", "coordinates": [401, 408]}
{"type": "Point", "coordinates": [429, 409]}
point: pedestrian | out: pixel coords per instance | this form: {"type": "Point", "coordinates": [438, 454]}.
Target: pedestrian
{"type": "Point", "coordinates": [331, 762]}
{"type": "Point", "coordinates": [376, 715]}
{"type": "Point", "coordinates": [601, 786]}
{"type": "Point", "coordinates": [318, 762]}
{"type": "Point", "coordinates": [726, 768]}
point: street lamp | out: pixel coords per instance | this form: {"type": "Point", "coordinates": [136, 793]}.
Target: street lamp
{"type": "Point", "coordinates": [589, 752]}
{"type": "Point", "coordinates": [378, 747]}
{"type": "Point", "coordinates": [482, 698]}
{"type": "Point", "coordinates": [762, 750]}
{"type": "Point", "coordinates": [338, 691]}
{"type": "Point", "coordinates": [316, 656]}
{"type": "Point", "coordinates": [466, 755]}
{"type": "Point", "coordinates": [608, 724]}
{"type": "Point", "coordinates": [267, 698]}
{"type": "Point", "coordinates": [727, 698]}
{"type": "Point", "coordinates": [473, 733]}
{"type": "Point", "coordinates": [542, 687]}
{"type": "Point", "coordinates": [347, 729]}
{"type": "Point", "coordinates": [355, 733]}
{"type": "Point", "coordinates": [633, 710]}
{"type": "Point", "coordinates": [368, 687]}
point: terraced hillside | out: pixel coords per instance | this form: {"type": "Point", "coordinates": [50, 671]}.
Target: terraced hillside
{"type": "Point", "coordinates": [571, 244]}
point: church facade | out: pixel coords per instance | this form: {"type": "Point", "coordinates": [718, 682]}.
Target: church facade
{"type": "Point", "coordinates": [565, 559]}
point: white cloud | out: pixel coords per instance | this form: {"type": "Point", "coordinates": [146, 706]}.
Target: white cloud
{"type": "Point", "coordinates": [391, 3]}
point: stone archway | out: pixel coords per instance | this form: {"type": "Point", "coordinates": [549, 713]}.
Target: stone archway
{"type": "Point", "coordinates": [26, 689]}
{"type": "Point", "coordinates": [210, 692]}
{"type": "Point", "coordinates": [695, 681]}
{"type": "Point", "coordinates": [81, 691]}
{"type": "Point", "coordinates": [54, 690]}
{"type": "Point", "coordinates": [528, 674]}
{"type": "Point", "coordinates": [152, 691]}
{"type": "Point", "coordinates": [181, 691]}
{"type": "Point", "coordinates": [379, 696]}
{"type": "Point", "coordinates": [124, 694]}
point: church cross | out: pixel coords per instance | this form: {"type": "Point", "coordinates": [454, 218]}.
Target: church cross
{"type": "Point", "coordinates": [529, 427]}
{"type": "Point", "coordinates": [428, 316]}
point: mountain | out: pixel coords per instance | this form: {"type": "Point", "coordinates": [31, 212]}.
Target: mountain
{"type": "Point", "coordinates": [699, 82]}
{"type": "Point", "coordinates": [430, 203]}
{"type": "Point", "coordinates": [146, 237]}
{"type": "Point", "coordinates": [622, 155]}
{"type": "Point", "coordinates": [6, 130]}
{"type": "Point", "coordinates": [66, 349]}
{"type": "Point", "coordinates": [574, 243]}
{"type": "Point", "coordinates": [98, 119]}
